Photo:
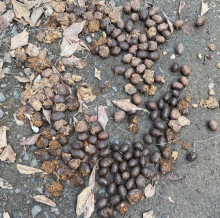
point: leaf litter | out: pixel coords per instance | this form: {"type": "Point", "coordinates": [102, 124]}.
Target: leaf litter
{"type": "Point", "coordinates": [102, 116]}
{"type": "Point", "coordinates": [19, 40]}
{"type": "Point", "coordinates": [148, 214]}
{"type": "Point", "coordinates": [149, 191]}
{"type": "Point", "coordinates": [31, 140]}
{"type": "Point", "coordinates": [4, 184]}
{"type": "Point", "coordinates": [23, 169]}
{"type": "Point", "coordinates": [205, 7]}
{"type": "Point", "coordinates": [3, 136]}
{"type": "Point", "coordinates": [8, 154]}
{"type": "Point", "coordinates": [44, 200]}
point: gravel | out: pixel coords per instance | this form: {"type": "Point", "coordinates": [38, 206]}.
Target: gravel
{"type": "Point", "coordinates": [1, 113]}
{"type": "Point", "coordinates": [2, 97]}
{"type": "Point", "coordinates": [7, 70]}
{"type": "Point", "coordinates": [35, 210]}
{"type": "Point", "coordinates": [7, 57]}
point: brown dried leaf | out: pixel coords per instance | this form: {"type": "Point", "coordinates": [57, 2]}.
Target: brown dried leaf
{"type": "Point", "coordinates": [148, 214]}
{"type": "Point", "coordinates": [31, 140]}
{"type": "Point", "coordinates": [205, 7]}
{"type": "Point", "coordinates": [44, 200]}
{"type": "Point", "coordinates": [47, 114]}
{"type": "Point", "coordinates": [91, 119]}
{"type": "Point", "coordinates": [19, 40]}
{"type": "Point", "coordinates": [68, 48]}
{"type": "Point", "coordinates": [6, 19]}
{"type": "Point", "coordinates": [2, 75]}
{"type": "Point", "coordinates": [22, 79]}
{"type": "Point", "coordinates": [6, 215]}
{"type": "Point", "coordinates": [188, 29]}
{"type": "Point", "coordinates": [92, 177]}
{"type": "Point", "coordinates": [4, 184]}
{"type": "Point", "coordinates": [81, 199]}
{"type": "Point", "coordinates": [8, 153]}
{"type": "Point", "coordinates": [35, 16]}
{"type": "Point", "coordinates": [74, 61]}
{"type": "Point", "coordinates": [3, 136]}
{"type": "Point", "coordinates": [89, 206]}
{"type": "Point", "coordinates": [58, 6]}
{"type": "Point", "coordinates": [102, 116]}
{"type": "Point", "coordinates": [97, 73]}
{"type": "Point", "coordinates": [2, 7]}
{"type": "Point", "coordinates": [23, 169]}
{"type": "Point", "coordinates": [81, 3]}
{"type": "Point", "coordinates": [32, 50]}
{"type": "Point", "coordinates": [149, 190]}
{"type": "Point", "coordinates": [170, 24]}
{"type": "Point", "coordinates": [126, 105]}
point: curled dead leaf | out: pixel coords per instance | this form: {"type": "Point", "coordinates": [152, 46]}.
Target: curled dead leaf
{"type": "Point", "coordinates": [8, 153]}
{"type": "Point", "coordinates": [97, 73]}
{"type": "Point", "coordinates": [102, 116]}
{"type": "Point", "coordinates": [74, 62]}
{"type": "Point", "coordinates": [170, 24]}
{"type": "Point", "coordinates": [23, 169]}
{"type": "Point", "coordinates": [31, 140]}
{"type": "Point", "coordinates": [44, 200]}
{"type": "Point", "coordinates": [89, 206]}
{"type": "Point", "coordinates": [19, 40]}
{"type": "Point", "coordinates": [148, 214]}
{"type": "Point", "coordinates": [22, 79]}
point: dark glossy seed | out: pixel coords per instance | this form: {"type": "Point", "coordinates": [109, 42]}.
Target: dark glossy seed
{"type": "Point", "coordinates": [104, 152]}
{"type": "Point", "coordinates": [142, 54]}
{"type": "Point", "coordinates": [175, 67]}
{"type": "Point", "coordinates": [160, 125]}
{"type": "Point", "coordinates": [140, 181]}
{"type": "Point", "coordinates": [156, 133]}
{"type": "Point", "coordinates": [104, 51]}
{"type": "Point", "coordinates": [101, 203]}
{"type": "Point", "coordinates": [201, 21]}
{"type": "Point", "coordinates": [129, 26]}
{"type": "Point", "coordinates": [118, 179]}
{"type": "Point", "coordinates": [135, 171]}
{"type": "Point", "coordinates": [134, 17]}
{"type": "Point", "coordinates": [117, 156]}
{"type": "Point", "coordinates": [124, 148]}
{"type": "Point", "coordinates": [66, 157]}
{"type": "Point", "coordinates": [137, 154]}
{"type": "Point", "coordinates": [179, 49]}
{"type": "Point", "coordinates": [109, 29]}
{"type": "Point", "coordinates": [135, 62]}
{"type": "Point", "coordinates": [92, 140]}
{"type": "Point", "coordinates": [103, 135]}
{"type": "Point", "coordinates": [166, 153]}
{"type": "Point", "coordinates": [122, 191]}
{"type": "Point", "coordinates": [104, 24]}
{"type": "Point", "coordinates": [131, 113]}
{"type": "Point", "coordinates": [151, 105]}
{"type": "Point", "coordinates": [167, 97]}
{"type": "Point", "coordinates": [115, 200]}
{"type": "Point", "coordinates": [213, 125]}
{"type": "Point", "coordinates": [133, 41]}
{"type": "Point", "coordinates": [82, 136]}
{"type": "Point", "coordinates": [175, 93]}
{"type": "Point", "coordinates": [148, 139]}
{"type": "Point", "coordinates": [192, 156]}
{"type": "Point", "coordinates": [185, 70]}
{"type": "Point", "coordinates": [123, 166]}
{"type": "Point", "coordinates": [106, 212]}
{"type": "Point", "coordinates": [133, 50]}
{"type": "Point", "coordinates": [122, 207]}
{"type": "Point", "coordinates": [152, 46]}
{"type": "Point", "coordinates": [127, 155]}
{"type": "Point", "coordinates": [112, 188]}
{"type": "Point", "coordinates": [154, 10]}
{"type": "Point", "coordinates": [154, 56]}
{"type": "Point", "coordinates": [124, 47]}
{"type": "Point", "coordinates": [147, 172]}
{"type": "Point", "coordinates": [114, 168]}
{"type": "Point", "coordinates": [142, 161]}
{"type": "Point", "coordinates": [57, 116]}
{"type": "Point", "coordinates": [130, 184]}
{"type": "Point", "coordinates": [84, 169]}
{"type": "Point", "coordinates": [146, 151]}
{"type": "Point", "coordinates": [138, 145]}
{"type": "Point", "coordinates": [106, 162]}
{"type": "Point", "coordinates": [121, 24]}
{"type": "Point", "coordinates": [143, 47]}
{"type": "Point", "coordinates": [178, 24]}
{"type": "Point", "coordinates": [173, 102]}
{"type": "Point", "coordinates": [115, 51]}
{"type": "Point", "coordinates": [150, 23]}
{"type": "Point", "coordinates": [165, 113]}
{"type": "Point", "coordinates": [142, 38]}
{"type": "Point", "coordinates": [161, 104]}
{"type": "Point", "coordinates": [127, 7]}
{"type": "Point", "coordinates": [155, 158]}
{"type": "Point", "coordinates": [112, 43]}
{"type": "Point", "coordinates": [166, 34]}
{"type": "Point", "coordinates": [103, 181]}
{"type": "Point", "coordinates": [116, 32]}
{"type": "Point", "coordinates": [79, 154]}
{"type": "Point", "coordinates": [162, 142]}
{"type": "Point", "coordinates": [162, 27]}
{"type": "Point", "coordinates": [101, 144]}
{"type": "Point", "coordinates": [115, 147]}
{"type": "Point", "coordinates": [134, 196]}
{"type": "Point", "coordinates": [103, 172]}
{"type": "Point", "coordinates": [177, 85]}
{"type": "Point", "coordinates": [133, 162]}
{"type": "Point", "coordinates": [154, 115]}
{"type": "Point", "coordinates": [119, 69]}
{"type": "Point", "coordinates": [184, 80]}
{"type": "Point", "coordinates": [126, 175]}
{"type": "Point", "coordinates": [157, 18]}
{"type": "Point", "coordinates": [95, 129]}
{"type": "Point", "coordinates": [143, 14]}
{"type": "Point", "coordinates": [160, 39]}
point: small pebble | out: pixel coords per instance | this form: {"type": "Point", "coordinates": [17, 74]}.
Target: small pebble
{"type": "Point", "coordinates": [1, 113]}
{"type": "Point", "coordinates": [173, 56]}
{"type": "Point", "coordinates": [55, 210]}
{"type": "Point", "coordinates": [6, 70]}
{"type": "Point", "coordinates": [2, 97]}
{"type": "Point", "coordinates": [34, 162]}
{"type": "Point", "coordinates": [35, 210]}
{"type": "Point", "coordinates": [88, 39]}
{"type": "Point", "coordinates": [114, 89]}
{"type": "Point", "coordinates": [17, 190]}
{"type": "Point", "coordinates": [7, 57]}
{"type": "Point", "coordinates": [27, 72]}
{"type": "Point", "coordinates": [26, 157]}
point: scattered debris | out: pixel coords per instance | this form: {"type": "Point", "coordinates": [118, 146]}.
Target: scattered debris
{"type": "Point", "coordinates": [3, 136]}
{"type": "Point", "coordinates": [148, 214]}
{"type": "Point", "coordinates": [89, 206]}
{"type": "Point", "coordinates": [23, 169]}
{"type": "Point", "coordinates": [44, 200]}
{"type": "Point", "coordinates": [31, 140]}
{"type": "Point", "coordinates": [97, 73]}
{"type": "Point", "coordinates": [8, 153]}
{"type": "Point", "coordinates": [91, 119]}
{"type": "Point", "coordinates": [173, 177]}
{"type": "Point", "coordinates": [185, 145]}
{"type": "Point", "coordinates": [19, 40]}
{"type": "Point", "coordinates": [188, 29]}
{"type": "Point", "coordinates": [205, 7]}
{"type": "Point", "coordinates": [6, 215]}
{"type": "Point", "coordinates": [175, 155]}
{"type": "Point", "coordinates": [85, 93]}
{"type": "Point", "coordinates": [210, 103]}
{"type": "Point", "coordinates": [22, 79]}
{"type": "Point", "coordinates": [74, 62]}
{"type": "Point", "coordinates": [169, 22]}
{"type": "Point", "coordinates": [102, 116]}
{"type": "Point", "coordinates": [4, 184]}
{"type": "Point", "coordinates": [181, 6]}
{"type": "Point", "coordinates": [171, 200]}
{"type": "Point", "coordinates": [6, 19]}
{"type": "Point", "coordinates": [149, 190]}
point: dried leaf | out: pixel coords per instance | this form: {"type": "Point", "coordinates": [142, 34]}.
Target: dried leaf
{"type": "Point", "coordinates": [175, 155]}
{"type": "Point", "coordinates": [32, 50]}
{"type": "Point", "coordinates": [149, 190]}
{"type": "Point", "coordinates": [181, 6]}
{"type": "Point", "coordinates": [170, 24]}
{"type": "Point", "coordinates": [102, 116]}
{"type": "Point", "coordinates": [22, 79]}
{"type": "Point", "coordinates": [81, 3]}
{"type": "Point", "coordinates": [92, 177]}
{"type": "Point", "coordinates": [31, 140]}
{"type": "Point", "coordinates": [23, 169]}
{"type": "Point", "coordinates": [91, 119]}
{"type": "Point", "coordinates": [81, 200]}
{"type": "Point", "coordinates": [35, 16]}
{"type": "Point", "coordinates": [2, 7]}
{"type": "Point", "coordinates": [68, 48]}
{"type": "Point", "coordinates": [44, 200]}
{"type": "Point", "coordinates": [4, 184]}
{"type": "Point", "coordinates": [205, 8]}
{"type": "Point", "coordinates": [89, 206]}
{"type": "Point", "coordinates": [19, 40]}
{"type": "Point", "coordinates": [6, 19]}
{"type": "Point", "coordinates": [126, 105]}
{"type": "Point", "coordinates": [47, 114]}
{"type": "Point", "coordinates": [148, 214]}
{"type": "Point", "coordinates": [18, 122]}
{"type": "Point", "coordinates": [172, 177]}
{"type": "Point", "coordinates": [171, 200]}
{"type": "Point", "coordinates": [2, 75]}
{"type": "Point", "coordinates": [3, 136]}
{"type": "Point", "coordinates": [74, 61]}
{"type": "Point", "coordinates": [97, 73]}
{"type": "Point", "coordinates": [6, 215]}
{"type": "Point", "coordinates": [8, 153]}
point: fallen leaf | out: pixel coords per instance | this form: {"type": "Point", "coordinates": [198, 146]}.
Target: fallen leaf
{"type": "Point", "coordinates": [89, 206]}
{"type": "Point", "coordinates": [8, 153]}
{"type": "Point", "coordinates": [188, 29]}
{"type": "Point", "coordinates": [31, 140]}
{"type": "Point", "coordinates": [205, 7]}
{"type": "Point", "coordinates": [181, 6]}
{"type": "Point", "coordinates": [97, 73]}
{"type": "Point", "coordinates": [83, 108]}
{"type": "Point", "coordinates": [170, 24]}
{"type": "Point", "coordinates": [22, 79]}
{"type": "Point", "coordinates": [47, 114]}
{"type": "Point", "coordinates": [174, 155]}
{"type": "Point", "coordinates": [4, 184]}
{"type": "Point", "coordinates": [81, 3]}
{"type": "Point", "coordinates": [149, 190]}
{"type": "Point", "coordinates": [68, 48]}
{"type": "Point", "coordinates": [74, 61]}
{"type": "Point", "coordinates": [148, 214]}
{"type": "Point", "coordinates": [2, 75]}
{"type": "Point", "coordinates": [3, 136]}
{"type": "Point", "coordinates": [19, 40]}
{"type": "Point", "coordinates": [172, 177]}
{"type": "Point", "coordinates": [92, 177]}
{"type": "Point", "coordinates": [171, 200]}
{"type": "Point", "coordinates": [23, 169]}
{"type": "Point", "coordinates": [6, 19]}
{"type": "Point", "coordinates": [44, 200]}
{"type": "Point", "coordinates": [2, 7]}
{"type": "Point", "coordinates": [35, 16]}
{"type": "Point", "coordinates": [91, 119]}
{"type": "Point", "coordinates": [32, 50]}
{"type": "Point", "coordinates": [18, 122]}
{"type": "Point", "coordinates": [102, 116]}
{"type": "Point", "coordinates": [126, 105]}
{"type": "Point", "coordinates": [6, 215]}
{"type": "Point", "coordinates": [81, 200]}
